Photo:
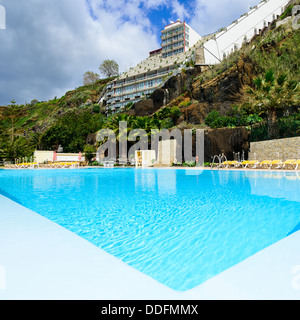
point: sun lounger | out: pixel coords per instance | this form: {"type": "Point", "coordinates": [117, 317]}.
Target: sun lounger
{"type": "Point", "coordinates": [289, 162]}
{"type": "Point", "coordinates": [249, 163]}
{"type": "Point", "coordinates": [228, 164]}
{"type": "Point", "coordinates": [10, 166]}
{"type": "Point", "coordinates": [276, 164]}
{"type": "Point", "coordinates": [296, 164]}
{"type": "Point", "coordinates": [265, 163]}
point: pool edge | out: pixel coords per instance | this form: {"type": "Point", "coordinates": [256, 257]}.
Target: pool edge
{"type": "Point", "coordinates": [267, 274]}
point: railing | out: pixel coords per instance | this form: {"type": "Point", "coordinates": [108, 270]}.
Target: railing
{"type": "Point", "coordinates": [214, 163]}
{"type": "Point", "coordinates": [221, 159]}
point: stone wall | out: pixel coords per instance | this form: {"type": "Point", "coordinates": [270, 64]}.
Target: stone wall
{"type": "Point", "coordinates": [282, 149]}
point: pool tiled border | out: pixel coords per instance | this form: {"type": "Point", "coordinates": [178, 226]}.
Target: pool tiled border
{"type": "Point", "coordinates": [42, 260]}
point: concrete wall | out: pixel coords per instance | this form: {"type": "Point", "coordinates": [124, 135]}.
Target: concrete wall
{"type": "Point", "coordinates": [282, 149]}
{"type": "Point", "coordinates": [48, 156]}
{"type": "Point", "coordinates": [194, 37]}
{"type": "Point", "coordinates": [243, 29]}
{"type": "Point", "coordinates": [43, 156]}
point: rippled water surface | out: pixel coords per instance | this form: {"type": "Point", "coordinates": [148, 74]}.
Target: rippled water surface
{"type": "Point", "coordinates": [181, 227]}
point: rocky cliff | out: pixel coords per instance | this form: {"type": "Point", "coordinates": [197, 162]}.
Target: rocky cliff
{"type": "Point", "coordinates": [220, 92]}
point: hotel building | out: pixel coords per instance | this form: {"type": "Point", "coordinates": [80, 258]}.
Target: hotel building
{"type": "Point", "coordinates": [140, 81]}
{"type": "Point", "coordinates": [177, 38]}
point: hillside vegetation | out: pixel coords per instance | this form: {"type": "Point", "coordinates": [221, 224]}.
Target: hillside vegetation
{"type": "Point", "coordinates": [256, 85]}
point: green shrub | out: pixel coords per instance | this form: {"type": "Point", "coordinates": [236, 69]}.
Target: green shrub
{"type": "Point", "coordinates": [189, 164]}
{"type": "Point", "coordinates": [89, 152]}
{"type": "Point", "coordinates": [212, 118]}
{"type": "Point", "coordinates": [96, 108]}
{"type": "Point", "coordinates": [184, 104]}
{"type": "Point", "coordinates": [166, 123]}
{"type": "Point", "coordinates": [235, 117]}
{"type": "Point", "coordinates": [287, 12]}
{"type": "Point", "coordinates": [175, 113]}
{"type": "Point", "coordinates": [253, 118]}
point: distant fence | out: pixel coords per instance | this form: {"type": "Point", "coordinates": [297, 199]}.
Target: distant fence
{"type": "Point", "coordinates": [285, 128]}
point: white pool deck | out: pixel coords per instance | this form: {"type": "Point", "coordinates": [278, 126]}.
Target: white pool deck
{"type": "Point", "coordinates": [41, 260]}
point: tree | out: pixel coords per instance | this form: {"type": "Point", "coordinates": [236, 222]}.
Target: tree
{"type": "Point", "coordinates": [273, 93]}
{"type": "Point", "coordinates": [16, 149]}
{"type": "Point", "coordinates": [35, 140]}
{"type": "Point", "coordinates": [11, 113]}
{"type": "Point", "coordinates": [89, 152]}
{"type": "Point", "coordinates": [90, 77]}
{"type": "Point", "coordinates": [109, 68]}
{"type": "Point", "coordinates": [71, 130]}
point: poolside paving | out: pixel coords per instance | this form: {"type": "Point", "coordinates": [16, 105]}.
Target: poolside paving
{"type": "Point", "coordinates": [42, 260]}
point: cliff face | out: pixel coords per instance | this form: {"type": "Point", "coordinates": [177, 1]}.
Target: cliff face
{"type": "Point", "coordinates": [219, 93]}
{"type": "Point", "coordinates": [171, 90]}
{"type": "Point", "coordinates": [227, 86]}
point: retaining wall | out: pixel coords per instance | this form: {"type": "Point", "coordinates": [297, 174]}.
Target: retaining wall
{"type": "Point", "coordinates": [283, 149]}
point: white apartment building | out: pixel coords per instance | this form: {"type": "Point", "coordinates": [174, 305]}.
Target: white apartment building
{"type": "Point", "coordinates": [177, 37]}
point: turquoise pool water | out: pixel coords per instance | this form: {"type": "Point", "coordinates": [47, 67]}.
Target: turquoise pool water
{"type": "Point", "coordinates": [181, 227]}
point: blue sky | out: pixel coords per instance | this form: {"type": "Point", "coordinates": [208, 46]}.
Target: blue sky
{"type": "Point", "coordinates": [48, 45]}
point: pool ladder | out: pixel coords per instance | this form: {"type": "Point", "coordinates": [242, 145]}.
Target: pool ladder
{"type": "Point", "coordinates": [221, 158]}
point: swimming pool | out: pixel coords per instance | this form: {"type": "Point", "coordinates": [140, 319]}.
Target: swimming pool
{"type": "Point", "coordinates": [181, 227]}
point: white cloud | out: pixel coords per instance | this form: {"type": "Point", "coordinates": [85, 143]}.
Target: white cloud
{"type": "Point", "coordinates": [48, 45]}
{"type": "Point", "coordinates": [179, 10]}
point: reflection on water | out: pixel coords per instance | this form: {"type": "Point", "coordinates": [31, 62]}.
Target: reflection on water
{"type": "Point", "coordinates": [282, 185]}
{"type": "Point", "coordinates": [164, 181]}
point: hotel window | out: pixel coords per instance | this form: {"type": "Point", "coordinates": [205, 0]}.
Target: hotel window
{"type": "Point", "coordinates": [150, 84]}
{"type": "Point", "coordinates": [129, 88]}
{"type": "Point", "coordinates": [119, 90]}
{"type": "Point", "coordinates": [140, 86]}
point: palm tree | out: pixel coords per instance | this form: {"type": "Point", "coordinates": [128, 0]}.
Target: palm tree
{"type": "Point", "coordinates": [272, 93]}
{"type": "Point", "coordinates": [36, 140]}
{"type": "Point", "coordinates": [146, 123]}
{"type": "Point", "coordinates": [114, 123]}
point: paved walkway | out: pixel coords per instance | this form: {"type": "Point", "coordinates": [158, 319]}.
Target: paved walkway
{"type": "Point", "coordinates": [42, 260]}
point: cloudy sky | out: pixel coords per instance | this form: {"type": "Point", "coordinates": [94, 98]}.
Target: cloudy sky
{"type": "Point", "coordinates": [48, 45]}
